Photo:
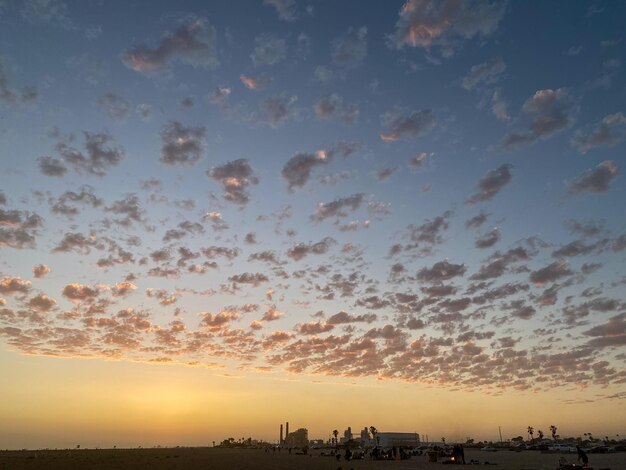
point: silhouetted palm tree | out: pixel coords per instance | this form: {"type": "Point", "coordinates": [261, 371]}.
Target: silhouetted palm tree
{"type": "Point", "coordinates": [336, 433]}
{"type": "Point", "coordinates": [553, 431]}
{"type": "Point", "coordinates": [540, 434]}
{"type": "Point", "coordinates": [531, 432]}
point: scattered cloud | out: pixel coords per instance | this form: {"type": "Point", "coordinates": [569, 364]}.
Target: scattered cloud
{"type": "Point", "coordinates": [609, 132]}
{"type": "Point", "coordinates": [337, 207]}
{"type": "Point", "coordinates": [483, 74]}
{"type": "Point", "coordinates": [596, 180]}
{"type": "Point", "coordinates": [256, 83]}
{"type": "Point", "coordinates": [428, 24]}
{"type": "Point", "coordinates": [552, 110]}
{"type": "Point", "coordinates": [400, 125]}
{"type": "Point", "coordinates": [235, 178]}
{"type": "Point", "coordinates": [193, 43]}
{"type": "Point", "coordinates": [301, 250]}
{"type": "Point", "coordinates": [491, 184]}
{"type": "Point", "coordinates": [99, 157]}
{"type": "Point", "coordinates": [182, 145]}
{"type": "Point", "coordinates": [333, 107]}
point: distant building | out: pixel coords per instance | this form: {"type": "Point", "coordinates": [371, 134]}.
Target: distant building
{"type": "Point", "coordinates": [365, 437]}
{"type": "Point", "coordinates": [398, 439]}
{"type": "Point", "coordinates": [298, 438]}
{"type": "Point", "coordinates": [347, 435]}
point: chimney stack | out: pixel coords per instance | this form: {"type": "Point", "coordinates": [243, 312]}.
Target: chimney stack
{"type": "Point", "coordinates": [287, 431]}
{"type": "Point", "coordinates": [281, 435]}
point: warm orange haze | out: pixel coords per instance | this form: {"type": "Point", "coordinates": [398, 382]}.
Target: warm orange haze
{"type": "Point", "coordinates": [401, 219]}
{"type": "Point", "coordinates": [60, 403]}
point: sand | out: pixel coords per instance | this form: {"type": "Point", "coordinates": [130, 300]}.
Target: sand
{"type": "Point", "coordinates": [243, 459]}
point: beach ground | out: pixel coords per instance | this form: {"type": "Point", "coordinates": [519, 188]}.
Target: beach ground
{"type": "Point", "coordinates": [203, 458]}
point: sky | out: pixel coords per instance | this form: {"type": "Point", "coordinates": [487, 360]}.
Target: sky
{"type": "Point", "coordinates": [219, 216]}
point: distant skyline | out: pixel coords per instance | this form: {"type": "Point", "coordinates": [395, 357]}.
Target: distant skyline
{"type": "Point", "coordinates": [220, 216]}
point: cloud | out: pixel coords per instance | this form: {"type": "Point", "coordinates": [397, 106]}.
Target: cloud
{"type": "Point", "coordinates": [297, 170]}
{"type": "Point", "coordinates": [41, 303]}
{"type": "Point", "coordinates": [491, 184]}
{"type": "Point", "coordinates": [19, 228]}
{"type": "Point", "coordinates": [212, 252]}
{"type": "Point", "coordinates": [476, 221]}
{"type": "Point", "coordinates": [519, 309]}
{"type": "Point", "coordinates": [122, 289]}
{"type": "Point", "coordinates": [426, 24]}
{"type": "Point", "coordinates": [271, 314]}
{"type": "Point", "coordinates": [350, 49]}
{"type": "Point", "coordinates": [217, 222]}
{"type": "Point", "coordinates": [580, 248]}
{"type": "Point", "coordinates": [66, 203]}
{"type": "Point", "coordinates": [14, 285]}
{"type": "Point", "coordinates": [385, 173]}
{"type": "Point", "coordinates": [499, 106]}
{"type": "Point", "coordinates": [333, 107]}
{"type": "Point", "coordinates": [286, 9]}
{"type": "Point", "coordinates": [301, 250]}
{"type": "Point", "coordinates": [163, 296]}
{"type": "Point", "coordinates": [344, 318]}
{"type": "Point", "coordinates": [441, 271]}
{"type": "Point", "coordinates": [610, 334]}
{"type": "Point", "coordinates": [419, 160]}
{"type": "Point", "coordinates": [267, 256]}
{"type": "Point", "coordinates": [596, 180]}
{"type": "Point", "coordinates": [498, 264]}
{"type": "Point", "coordinates": [219, 320]}
{"type": "Point", "coordinates": [99, 157]}
{"type": "Point", "coordinates": [256, 83]}
{"type": "Point", "coordinates": [268, 50]}
{"type": "Point", "coordinates": [486, 73]}
{"type": "Point", "coordinates": [413, 125]}
{"type": "Point", "coordinates": [51, 166]}
{"type": "Point", "coordinates": [585, 229]}
{"type": "Point", "coordinates": [77, 242]}
{"type": "Point", "coordinates": [430, 231]}
{"type": "Point", "coordinates": [129, 207]}
{"type": "Point", "coordinates": [114, 105]}
{"type": "Point", "coordinates": [254, 279]}
{"type": "Point", "coordinates": [184, 228]}
{"type": "Point", "coordinates": [314, 328]}
{"type": "Point", "coordinates": [40, 270]}
{"type": "Point", "coordinates": [219, 95]}
{"type": "Point", "coordinates": [488, 239]}
{"type": "Point", "coordinates": [609, 132]}
{"type": "Point", "coordinates": [193, 43]}
{"type": "Point", "coordinates": [235, 177]}
{"type": "Point", "coordinates": [277, 109]}
{"type": "Point", "coordinates": [79, 292]}
{"type": "Point", "coordinates": [552, 272]}
{"type": "Point", "coordinates": [182, 145]}
{"type": "Point", "coordinates": [552, 111]}
{"type": "Point", "coordinates": [336, 208]}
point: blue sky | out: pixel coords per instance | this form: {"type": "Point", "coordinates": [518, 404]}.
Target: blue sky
{"type": "Point", "coordinates": [359, 189]}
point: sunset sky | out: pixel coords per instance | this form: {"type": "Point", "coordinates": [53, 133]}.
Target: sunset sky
{"type": "Point", "coordinates": [219, 216]}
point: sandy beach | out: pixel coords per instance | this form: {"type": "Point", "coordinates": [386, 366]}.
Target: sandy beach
{"type": "Point", "coordinates": [244, 459]}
